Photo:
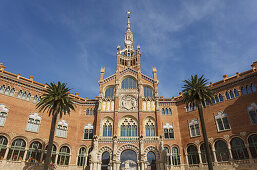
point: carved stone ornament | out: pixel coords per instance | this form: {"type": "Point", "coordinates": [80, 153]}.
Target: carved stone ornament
{"type": "Point", "coordinates": [128, 103]}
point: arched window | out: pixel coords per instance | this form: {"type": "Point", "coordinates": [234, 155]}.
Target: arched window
{"type": "Point", "coordinates": [88, 155]}
{"type": "Point", "coordinates": [105, 161]}
{"type": "Point", "coordinates": [238, 149]}
{"type": "Point", "coordinates": [128, 83]}
{"type": "Point", "coordinates": [12, 92]}
{"type": "Point", "coordinates": [107, 127]}
{"type": "Point", "coordinates": [28, 97]}
{"type": "Point", "coordinates": [194, 128]}
{"type": "Point", "coordinates": [203, 153]}
{"type": "Point", "coordinates": [81, 156]}
{"type": "Point", "coordinates": [248, 89]}
{"type": "Point", "coordinates": [252, 110]}
{"type": "Point", "coordinates": [213, 100]}
{"type": "Point", "coordinates": [109, 92]}
{"type": "Point", "coordinates": [227, 95]}
{"type": "Point", "coordinates": [35, 99]}
{"type": "Point", "coordinates": [236, 92]}
{"type": "Point", "coordinates": [148, 92]}
{"type": "Point", "coordinates": [252, 140]}
{"type": "Point", "coordinates": [62, 129]}
{"type": "Point", "coordinates": [24, 96]}
{"type": "Point", "coordinates": [175, 156]}
{"type": "Point", "coordinates": [168, 155]}
{"type": "Point", "coordinates": [34, 152]}
{"type": "Point", "coordinates": [222, 121]}
{"type": "Point", "coordinates": [19, 94]}
{"type": "Point", "coordinates": [53, 154]}
{"type": "Point", "coordinates": [163, 111]}
{"type": "Point", "coordinates": [33, 122]}
{"type": "Point", "coordinates": [217, 99]}
{"type": "Point", "coordinates": [128, 127]}
{"type": "Point", "coordinates": [221, 150]}
{"type": "Point", "coordinates": [88, 131]}
{"type": "Point", "coordinates": [2, 89]}
{"type": "Point", "coordinates": [166, 111]}
{"type": "Point", "coordinates": [232, 94]}
{"type": "Point", "coordinates": [168, 131]}
{"type": "Point", "coordinates": [3, 146]}
{"type": "Point", "coordinates": [253, 88]}
{"type": "Point", "coordinates": [17, 150]}
{"type": "Point", "coordinates": [192, 154]}
{"type": "Point", "coordinates": [243, 91]}
{"type": "Point", "coordinates": [220, 98]}
{"type": "Point", "coordinates": [7, 90]}
{"type": "Point", "coordinates": [64, 156]}
{"type": "Point", "coordinates": [149, 128]}
{"type": "Point", "coordinates": [3, 114]}
{"type": "Point", "coordinates": [169, 111]}
{"type": "Point", "coordinates": [151, 158]}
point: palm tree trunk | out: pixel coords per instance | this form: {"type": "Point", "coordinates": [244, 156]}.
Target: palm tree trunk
{"type": "Point", "coordinates": [206, 144]}
{"type": "Point", "coordinates": [50, 142]}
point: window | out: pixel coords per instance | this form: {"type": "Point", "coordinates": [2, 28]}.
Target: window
{"type": "Point", "coordinates": [109, 92]}
{"type": "Point", "coordinates": [163, 111]}
{"type": "Point", "coordinates": [3, 114]}
{"type": "Point", "coordinates": [222, 121]}
{"type": "Point", "coordinates": [168, 131]}
{"type": "Point", "coordinates": [169, 111]}
{"type": "Point", "coordinates": [33, 122]}
{"type": "Point", "coordinates": [168, 155]}
{"type": "Point", "coordinates": [252, 140]}
{"type": "Point", "coordinates": [53, 153]}
{"type": "Point", "coordinates": [62, 128]}
{"type": "Point", "coordinates": [238, 149]}
{"type": "Point", "coordinates": [194, 128]}
{"type": "Point", "coordinates": [236, 92]}
{"type": "Point", "coordinates": [221, 151]}
{"type": "Point", "coordinates": [227, 96]}
{"type": "Point", "coordinates": [243, 91]}
{"type": "Point", "coordinates": [34, 152]}
{"type": "Point", "coordinates": [7, 91]}
{"type": "Point", "coordinates": [253, 88]}
{"type": "Point", "coordinates": [151, 158]}
{"type": "Point", "coordinates": [3, 146]}
{"type": "Point", "coordinates": [128, 83]}
{"type": "Point", "coordinates": [128, 127]}
{"type": "Point", "coordinates": [252, 110]}
{"type": "Point", "coordinates": [220, 98]}
{"type": "Point", "coordinates": [2, 89]}
{"type": "Point", "coordinates": [150, 128]}
{"type": "Point", "coordinates": [248, 89]}
{"type": "Point", "coordinates": [203, 153]}
{"type": "Point", "coordinates": [81, 156]}
{"type": "Point", "coordinates": [36, 99]}
{"type": "Point", "coordinates": [88, 131]}
{"type": "Point", "coordinates": [148, 92]}
{"type": "Point", "coordinates": [107, 128]}
{"type": "Point", "coordinates": [190, 107]}
{"type": "Point", "coordinates": [17, 150]}
{"type": "Point", "coordinates": [90, 111]}
{"type": "Point", "coordinates": [105, 161]}
{"type": "Point", "coordinates": [192, 154]}
{"type": "Point", "coordinates": [19, 94]}
{"type": "Point", "coordinates": [64, 156]}
{"type": "Point", "coordinates": [12, 92]}
{"type": "Point", "coordinates": [175, 156]}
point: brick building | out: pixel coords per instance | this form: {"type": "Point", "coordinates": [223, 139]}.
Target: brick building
{"type": "Point", "coordinates": [128, 126]}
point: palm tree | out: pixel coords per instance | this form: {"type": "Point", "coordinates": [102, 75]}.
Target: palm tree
{"type": "Point", "coordinates": [196, 91]}
{"type": "Point", "coordinates": [56, 101]}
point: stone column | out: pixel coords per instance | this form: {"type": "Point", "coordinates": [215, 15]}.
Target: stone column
{"type": "Point", "coordinates": [230, 152]}
{"type": "Point", "coordinates": [25, 154]}
{"type": "Point", "coordinates": [56, 157]}
{"type": "Point", "coordinates": [249, 153]}
{"type": "Point", "coordinates": [200, 157]}
{"type": "Point", "coordinates": [6, 153]}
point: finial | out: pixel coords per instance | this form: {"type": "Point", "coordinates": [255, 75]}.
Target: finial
{"type": "Point", "coordinates": [128, 27]}
{"type": "Point", "coordinates": [128, 14]}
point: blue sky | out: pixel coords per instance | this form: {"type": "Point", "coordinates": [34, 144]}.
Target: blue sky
{"type": "Point", "coordinates": [69, 40]}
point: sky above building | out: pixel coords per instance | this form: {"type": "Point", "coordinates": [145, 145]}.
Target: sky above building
{"type": "Point", "coordinates": [69, 40]}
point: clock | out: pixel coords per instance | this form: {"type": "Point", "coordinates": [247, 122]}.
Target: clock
{"type": "Point", "coordinates": [128, 42]}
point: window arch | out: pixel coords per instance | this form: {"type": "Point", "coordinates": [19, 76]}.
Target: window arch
{"type": "Point", "coordinates": [7, 90]}
{"type": "Point", "coordinates": [220, 98]}
{"type": "Point", "coordinates": [192, 154]}
{"type": "Point", "coordinates": [168, 155]}
{"type": "Point", "coordinates": [3, 114]}
{"type": "Point", "coordinates": [109, 92]}
{"type": "Point", "coordinates": [222, 121]}
{"type": "Point", "coordinates": [62, 128]}
{"type": "Point", "coordinates": [163, 111]}
{"type": "Point", "coordinates": [12, 92]}
{"type": "Point", "coordinates": [203, 153]}
{"type": "Point", "coordinates": [227, 95]}
{"type": "Point", "coordinates": [252, 140]}
{"type": "Point", "coordinates": [33, 122]}
{"type": "Point", "coordinates": [17, 150]}
{"type": "Point", "coordinates": [128, 127]}
{"type": "Point", "coordinates": [107, 127]}
{"type": "Point", "coordinates": [19, 94]}
{"type": "Point", "coordinates": [253, 88]}
{"type": "Point", "coordinates": [148, 92]}
{"type": "Point", "coordinates": [81, 156]}
{"type": "Point", "coordinates": [243, 91]}
{"type": "Point", "coordinates": [175, 156]}
{"type": "Point", "coordinates": [2, 89]}
{"type": "Point", "coordinates": [169, 111]}
{"type": "Point", "coordinates": [34, 152]}
{"type": "Point", "coordinates": [221, 151]}
{"type": "Point", "coordinates": [194, 128]}
{"type": "Point", "coordinates": [64, 156]}
{"type": "Point", "coordinates": [236, 92]}
{"type": "Point", "coordinates": [53, 153]}
{"type": "Point", "coordinates": [252, 110]}
{"type": "Point", "coordinates": [129, 83]}
{"type": "Point", "coordinates": [232, 95]}
{"type": "Point", "coordinates": [248, 89]}
{"type": "Point", "coordinates": [238, 149]}
{"type": "Point", "coordinates": [3, 146]}
{"type": "Point", "coordinates": [149, 127]}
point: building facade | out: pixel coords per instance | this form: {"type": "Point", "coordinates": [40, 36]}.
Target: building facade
{"type": "Point", "coordinates": [128, 126]}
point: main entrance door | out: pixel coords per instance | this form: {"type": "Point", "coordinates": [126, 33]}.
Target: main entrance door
{"type": "Point", "coordinates": [128, 160]}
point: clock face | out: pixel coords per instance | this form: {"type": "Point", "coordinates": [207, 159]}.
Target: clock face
{"type": "Point", "coordinates": [128, 42]}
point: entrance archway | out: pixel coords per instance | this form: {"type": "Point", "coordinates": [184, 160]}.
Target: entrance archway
{"type": "Point", "coordinates": [128, 159]}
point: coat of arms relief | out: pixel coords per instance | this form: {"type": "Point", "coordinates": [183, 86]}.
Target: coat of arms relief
{"type": "Point", "coordinates": [128, 103]}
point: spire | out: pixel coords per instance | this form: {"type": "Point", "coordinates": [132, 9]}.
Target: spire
{"type": "Point", "coordinates": [128, 27]}
{"type": "Point", "coordinates": [128, 35]}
